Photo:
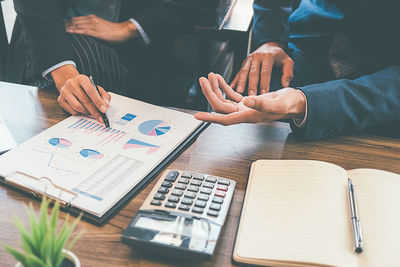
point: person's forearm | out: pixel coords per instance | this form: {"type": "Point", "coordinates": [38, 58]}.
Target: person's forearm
{"type": "Point", "coordinates": [344, 106]}
{"type": "Point", "coordinates": [44, 33]}
{"type": "Point", "coordinates": [270, 22]}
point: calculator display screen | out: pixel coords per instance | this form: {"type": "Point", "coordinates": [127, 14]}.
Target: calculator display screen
{"type": "Point", "coordinates": [177, 231]}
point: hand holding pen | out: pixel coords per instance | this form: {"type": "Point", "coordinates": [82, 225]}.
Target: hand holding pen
{"type": "Point", "coordinates": [78, 95]}
{"type": "Point", "coordinates": [102, 113]}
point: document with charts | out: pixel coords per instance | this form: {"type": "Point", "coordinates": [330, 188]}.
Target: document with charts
{"type": "Point", "coordinates": [92, 167]}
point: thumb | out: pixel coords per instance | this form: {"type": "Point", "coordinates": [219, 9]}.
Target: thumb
{"type": "Point", "coordinates": [256, 102]}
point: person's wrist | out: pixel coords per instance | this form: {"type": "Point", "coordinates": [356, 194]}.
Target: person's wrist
{"type": "Point", "coordinates": [62, 74]}
{"type": "Point", "coordinates": [300, 106]}
{"type": "Point", "coordinates": [130, 29]}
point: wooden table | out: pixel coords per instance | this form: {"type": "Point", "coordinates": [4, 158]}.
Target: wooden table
{"type": "Point", "coordinates": [223, 151]}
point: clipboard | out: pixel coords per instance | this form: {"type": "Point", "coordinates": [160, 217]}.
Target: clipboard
{"type": "Point", "coordinates": [38, 187]}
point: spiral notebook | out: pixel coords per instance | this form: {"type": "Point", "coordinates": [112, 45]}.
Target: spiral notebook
{"type": "Point", "coordinates": [296, 213]}
{"type": "Point", "coordinates": [94, 169]}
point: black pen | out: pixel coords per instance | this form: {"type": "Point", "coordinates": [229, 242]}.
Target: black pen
{"type": "Point", "coordinates": [103, 115]}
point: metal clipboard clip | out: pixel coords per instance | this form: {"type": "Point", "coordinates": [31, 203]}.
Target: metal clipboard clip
{"type": "Point", "coordinates": [40, 187]}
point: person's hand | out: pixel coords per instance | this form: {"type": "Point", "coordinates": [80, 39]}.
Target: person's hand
{"type": "Point", "coordinates": [284, 103]}
{"type": "Point", "coordinates": [101, 29]}
{"type": "Point", "coordinates": [257, 69]}
{"type": "Point", "coordinates": [77, 94]}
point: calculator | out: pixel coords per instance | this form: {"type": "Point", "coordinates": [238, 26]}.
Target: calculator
{"type": "Point", "coordinates": [183, 215]}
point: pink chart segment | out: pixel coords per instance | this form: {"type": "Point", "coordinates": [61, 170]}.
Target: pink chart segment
{"type": "Point", "coordinates": [134, 143]}
{"type": "Point", "coordinates": [98, 130]}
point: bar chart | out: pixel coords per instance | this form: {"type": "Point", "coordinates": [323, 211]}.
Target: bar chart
{"type": "Point", "coordinates": [97, 130]}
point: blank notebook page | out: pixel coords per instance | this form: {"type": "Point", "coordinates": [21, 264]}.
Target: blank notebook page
{"type": "Point", "coordinates": [296, 213]}
{"type": "Point", "coordinates": [378, 196]}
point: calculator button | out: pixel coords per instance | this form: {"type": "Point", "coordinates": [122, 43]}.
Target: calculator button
{"type": "Point", "coordinates": [180, 186]}
{"type": "Point", "coordinates": [211, 179]}
{"type": "Point", "coordinates": [187, 201]}
{"type": "Point", "coordinates": [202, 197]}
{"type": "Point", "coordinates": [224, 182]}
{"type": "Point", "coordinates": [184, 207]}
{"type": "Point", "coordinates": [200, 204]}
{"type": "Point", "coordinates": [177, 192]}
{"type": "Point", "coordinates": [213, 213]}
{"type": "Point", "coordinates": [208, 185]}
{"type": "Point", "coordinates": [193, 188]}
{"type": "Point", "coordinates": [171, 176]}
{"type": "Point", "coordinates": [197, 210]}
{"type": "Point", "coordinates": [159, 196]}
{"type": "Point", "coordinates": [166, 184]}
{"type": "Point", "coordinates": [183, 181]}
{"type": "Point", "coordinates": [187, 175]}
{"type": "Point", "coordinates": [163, 190]}
{"type": "Point", "coordinates": [190, 194]}
{"type": "Point", "coordinates": [170, 205]}
{"type": "Point", "coordinates": [220, 194]}
{"type": "Point", "coordinates": [205, 191]}
{"type": "Point", "coordinates": [198, 177]}
{"type": "Point", "coordinates": [173, 199]}
{"type": "Point", "coordinates": [196, 183]}
{"type": "Point", "coordinates": [222, 188]}
{"type": "Point", "coordinates": [218, 200]}
{"type": "Point", "coordinates": [155, 202]}
{"type": "Point", "coordinates": [214, 206]}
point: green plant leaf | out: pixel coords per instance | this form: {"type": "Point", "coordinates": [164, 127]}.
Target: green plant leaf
{"type": "Point", "coordinates": [26, 259]}
{"type": "Point", "coordinates": [17, 255]}
{"type": "Point", "coordinates": [27, 243]}
{"type": "Point", "coordinates": [43, 217]}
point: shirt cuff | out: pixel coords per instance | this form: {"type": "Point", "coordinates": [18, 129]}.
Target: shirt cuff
{"type": "Point", "coordinates": [142, 33]}
{"type": "Point", "coordinates": [298, 123]}
{"type": "Point", "coordinates": [66, 62]}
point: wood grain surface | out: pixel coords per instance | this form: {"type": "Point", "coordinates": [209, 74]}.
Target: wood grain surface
{"type": "Point", "coordinates": [223, 151]}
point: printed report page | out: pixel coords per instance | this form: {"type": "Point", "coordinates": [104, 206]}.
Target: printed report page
{"type": "Point", "coordinates": [99, 165]}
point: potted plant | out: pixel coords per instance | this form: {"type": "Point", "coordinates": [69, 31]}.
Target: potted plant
{"type": "Point", "coordinates": [44, 245]}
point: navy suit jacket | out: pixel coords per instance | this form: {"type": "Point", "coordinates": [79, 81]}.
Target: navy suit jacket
{"type": "Point", "coordinates": [342, 106]}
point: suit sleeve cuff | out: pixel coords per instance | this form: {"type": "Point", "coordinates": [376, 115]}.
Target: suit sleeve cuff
{"type": "Point", "coordinates": [63, 63]}
{"type": "Point", "coordinates": [300, 123]}
{"type": "Point", "coordinates": [143, 34]}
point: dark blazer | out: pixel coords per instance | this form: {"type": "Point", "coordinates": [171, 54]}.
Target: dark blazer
{"type": "Point", "coordinates": [342, 106]}
{"type": "Point", "coordinates": [48, 44]}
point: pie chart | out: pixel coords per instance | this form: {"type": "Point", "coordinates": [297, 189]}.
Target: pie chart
{"type": "Point", "coordinates": [90, 153]}
{"type": "Point", "coordinates": [60, 142]}
{"type": "Point", "coordinates": [154, 127]}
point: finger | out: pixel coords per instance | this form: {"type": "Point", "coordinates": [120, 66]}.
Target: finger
{"type": "Point", "coordinates": [65, 106]}
{"type": "Point", "coordinates": [216, 103]}
{"type": "Point", "coordinates": [84, 32]}
{"type": "Point", "coordinates": [241, 84]}
{"type": "Point", "coordinates": [287, 72]}
{"type": "Point", "coordinates": [247, 115]}
{"type": "Point", "coordinates": [105, 95]}
{"type": "Point", "coordinates": [79, 26]}
{"type": "Point", "coordinates": [84, 99]}
{"type": "Point", "coordinates": [76, 105]}
{"type": "Point", "coordinates": [93, 94]}
{"type": "Point", "coordinates": [83, 18]}
{"type": "Point", "coordinates": [266, 70]}
{"type": "Point", "coordinates": [235, 80]}
{"type": "Point", "coordinates": [213, 79]}
{"type": "Point", "coordinates": [254, 75]}
{"type": "Point", "coordinates": [230, 93]}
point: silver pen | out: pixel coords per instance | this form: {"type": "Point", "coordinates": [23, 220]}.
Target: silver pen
{"type": "Point", "coordinates": [355, 220]}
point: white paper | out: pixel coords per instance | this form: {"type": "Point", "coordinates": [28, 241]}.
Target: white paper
{"type": "Point", "coordinates": [7, 142]}
{"type": "Point", "coordinates": [102, 165]}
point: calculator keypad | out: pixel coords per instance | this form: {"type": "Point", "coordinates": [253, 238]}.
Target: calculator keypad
{"type": "Point", "coordinates": [192, 192]}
